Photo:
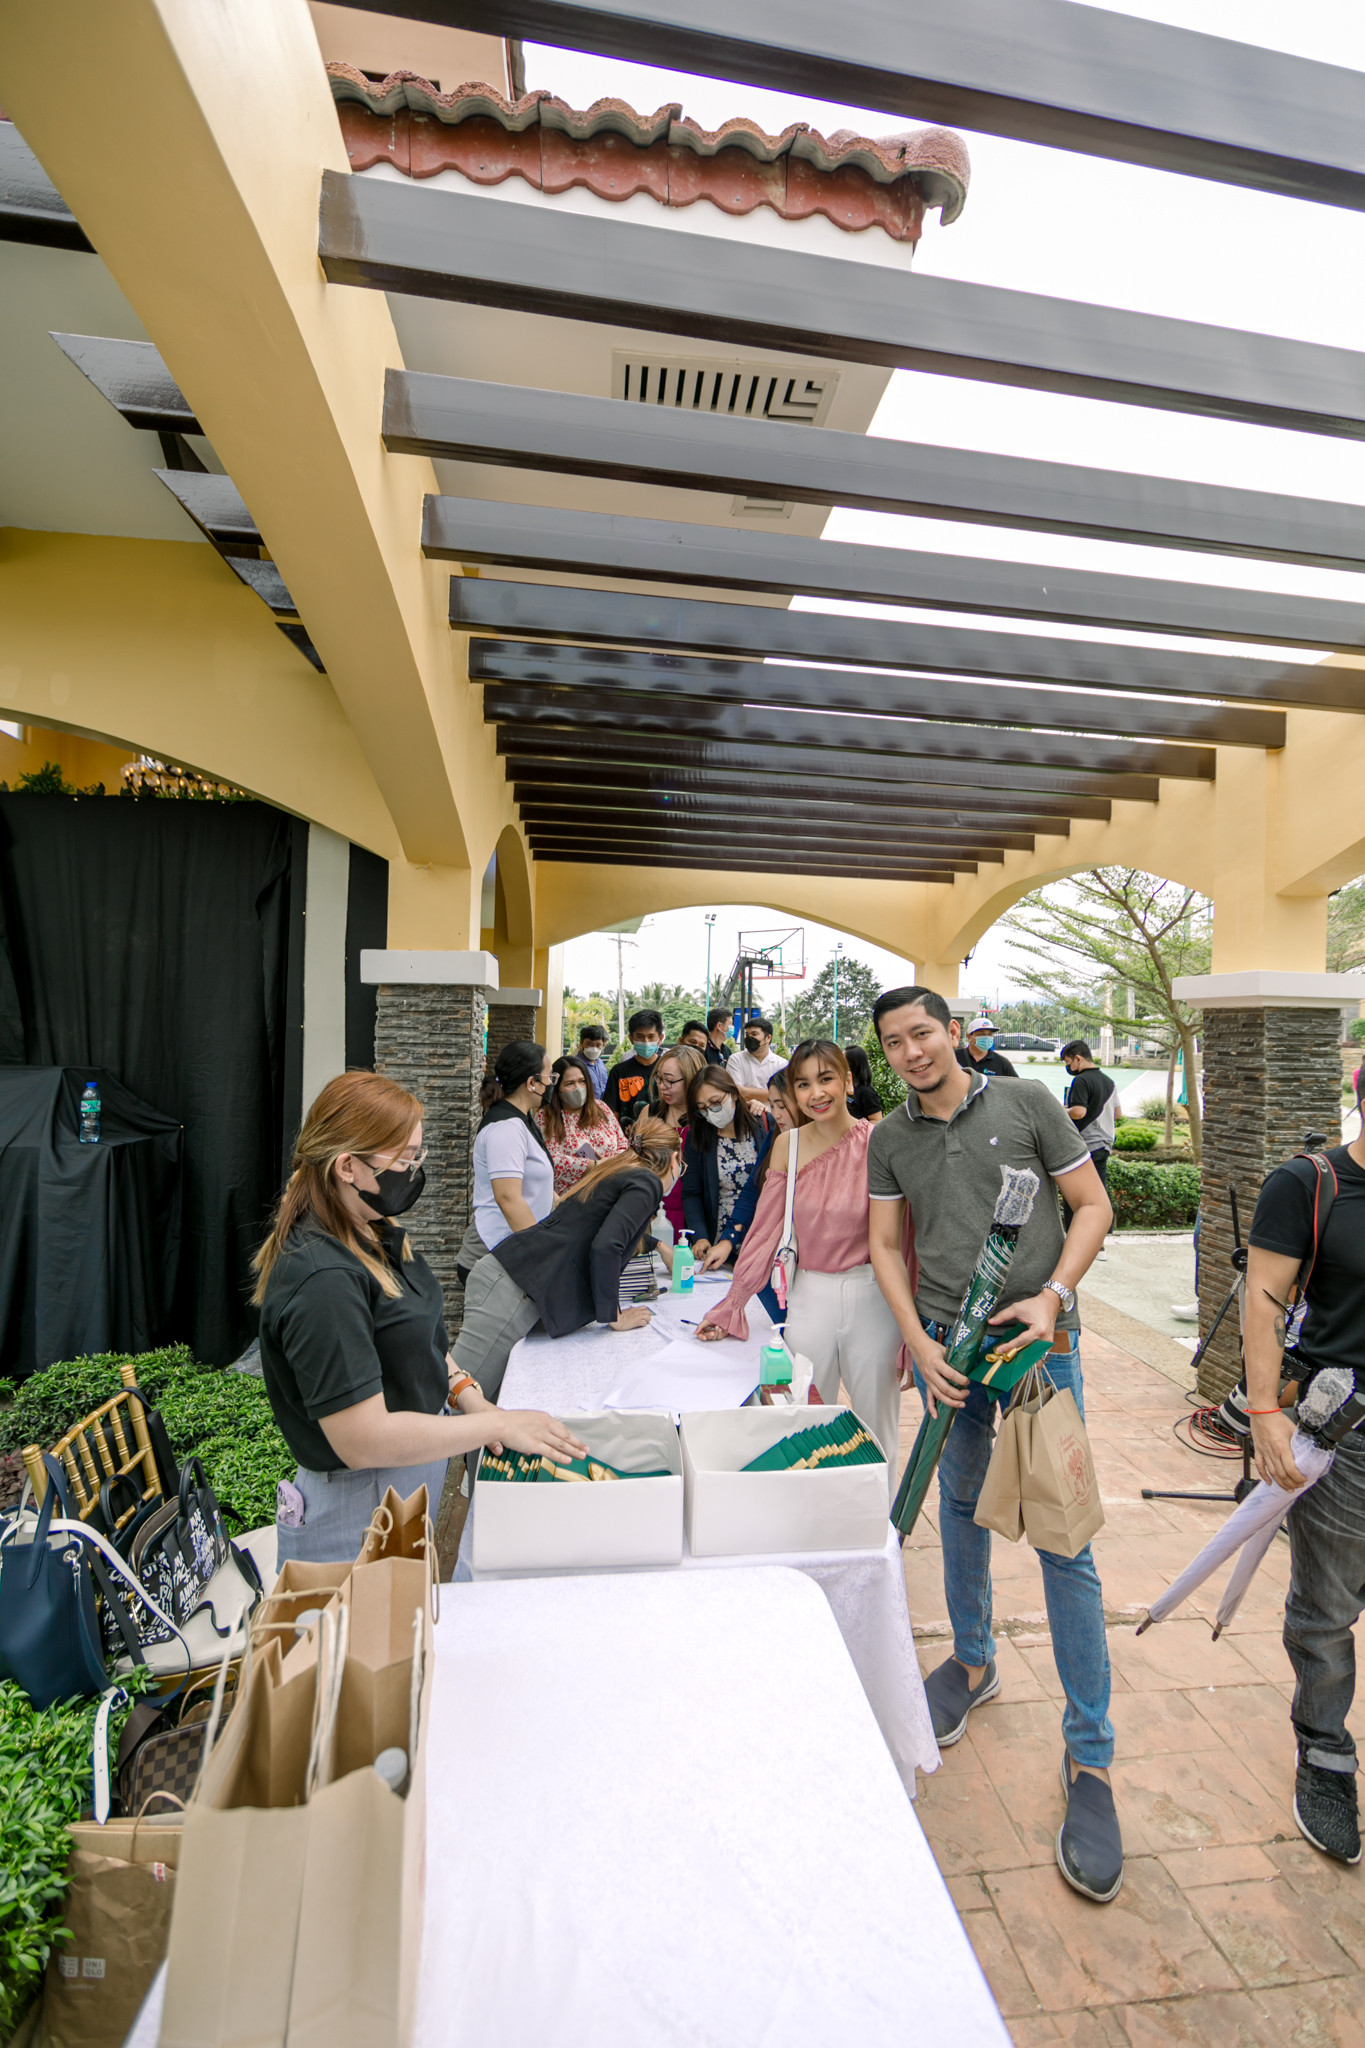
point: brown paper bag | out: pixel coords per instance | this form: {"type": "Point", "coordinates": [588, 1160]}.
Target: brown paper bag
{"type": "Point", "coordinates": [998, 1505]}
{"type": "Point", "coordinates": [1059, 1492]}
{"type": "Point", "coordinates": [299, 1902]}
{"type": "Point", "coordinates": [120, 1880]}
{"type": "Point", "coordinates": [398, 1528]}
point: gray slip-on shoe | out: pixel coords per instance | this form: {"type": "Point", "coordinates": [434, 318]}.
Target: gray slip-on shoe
{"type": "Point", "coordinates": [1089, 1845]}
{"type": "Point", "coordinates": [951, 1698]}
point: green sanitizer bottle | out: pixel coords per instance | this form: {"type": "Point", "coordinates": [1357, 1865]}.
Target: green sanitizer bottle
{"type": "Point", "coordinates": [775, 1364]}
{"type": "Point", "coordinates": [684, 1267]}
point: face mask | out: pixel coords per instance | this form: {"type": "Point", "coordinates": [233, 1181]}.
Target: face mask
{"type": "Point", "coordinates": [573, 1098]}
{"type": "Point", "coordinates": [721, 1114]}
{"type": "Point", "coordinates": [397, 1191]}
{"type": "Point", "coordinates": [752, 1044]}
{"type": "Point", "coordinates": [985, 1044]}
{"type": "Point", "coordinates": [644, 1048]}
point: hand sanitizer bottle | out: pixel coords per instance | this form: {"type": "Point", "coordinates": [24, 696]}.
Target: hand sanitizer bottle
{"type": "Point", "coordinates": [684, 1266]}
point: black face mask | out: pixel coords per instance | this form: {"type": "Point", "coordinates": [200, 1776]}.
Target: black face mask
{"type": "Point", "coordinates": [397, 1191]}
{"type": "Point", "coordinates": [752, 1044]}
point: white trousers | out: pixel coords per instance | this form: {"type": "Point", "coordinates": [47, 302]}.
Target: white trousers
{"type": "Point", "coordinates": [842, 1324]}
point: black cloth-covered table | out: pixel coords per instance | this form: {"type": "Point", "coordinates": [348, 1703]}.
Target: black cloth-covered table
{"type": "Point", "coordinates": [89, 1234]}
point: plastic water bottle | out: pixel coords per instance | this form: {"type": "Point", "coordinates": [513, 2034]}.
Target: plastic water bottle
{"type": "Point", "coordinates": [684, 1267]}
{"type": "Point", "coordinates": [90, 1115]}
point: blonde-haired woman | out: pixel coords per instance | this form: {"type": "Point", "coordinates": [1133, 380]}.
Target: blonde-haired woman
{"type": "Point", "coordinates": [354, 1351]}
{"type": "Point", "coordinates": [668, 1086]}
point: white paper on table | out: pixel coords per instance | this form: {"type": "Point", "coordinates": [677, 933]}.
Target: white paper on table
{"type": "Point", "coordinates": [686, 1374]}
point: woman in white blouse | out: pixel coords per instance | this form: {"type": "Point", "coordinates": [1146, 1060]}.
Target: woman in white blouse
{"type": "Point", "coordinates": [514, 1177]}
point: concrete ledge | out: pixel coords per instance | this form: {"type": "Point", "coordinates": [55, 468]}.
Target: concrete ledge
{"type": "Point", "coordinates": [1266, 988]}
{"type": "Point", "coordinates": [520, 998]}
{"type": "Point", "coordinates": [467, 970]}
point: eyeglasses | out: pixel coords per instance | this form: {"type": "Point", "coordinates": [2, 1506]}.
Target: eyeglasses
{"type": "Point", "coordinates": [398, 1165]}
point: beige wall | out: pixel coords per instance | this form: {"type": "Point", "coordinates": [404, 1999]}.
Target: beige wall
{"type": "Point", "coordinates": [387, 42]}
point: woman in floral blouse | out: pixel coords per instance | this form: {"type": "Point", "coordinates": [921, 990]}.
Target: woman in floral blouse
{"type": "Point", "coordinates": [578, 1129]}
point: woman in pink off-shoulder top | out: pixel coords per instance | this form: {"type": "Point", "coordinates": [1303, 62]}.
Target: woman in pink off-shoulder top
{"type": "Point", "coordinates": [836, 1315]}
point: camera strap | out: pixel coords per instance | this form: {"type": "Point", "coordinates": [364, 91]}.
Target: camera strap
{"type": "Point", "coordinates": [1324, 1195]}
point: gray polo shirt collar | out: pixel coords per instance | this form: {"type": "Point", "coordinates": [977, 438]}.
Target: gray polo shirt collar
{"type": "Point", "coordinates": [977, 1084]}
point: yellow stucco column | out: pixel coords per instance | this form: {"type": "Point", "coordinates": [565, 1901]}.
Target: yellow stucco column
{"type": "Point", "coordinates": [433, 908]}
{"type": "Point", "coordinates": [939, 975]}
{"type": "Point", "coordinates": [1254, 926]}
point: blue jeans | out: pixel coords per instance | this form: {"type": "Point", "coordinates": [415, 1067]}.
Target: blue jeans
{"type": "Point", "coordinates": [1071, 1585]}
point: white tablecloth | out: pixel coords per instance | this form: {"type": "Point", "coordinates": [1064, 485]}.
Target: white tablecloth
{"type": "Point", "coordinates": [660, 1812]}
{"type": "Point", "coordinates": [564, 1374]}
{"type": "Point", "coordinates": [865, 1588]}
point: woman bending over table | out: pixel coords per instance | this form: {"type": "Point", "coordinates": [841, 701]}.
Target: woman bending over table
{"type": "Point", "coordinates": [566, 1272]}
{"type": "Point", "coordinates": [578, 1129]}
{"type": "Point", "coordinates": [835, 1314]}
{"type": "Point", "coordinates": [353, 1343]}
{"type": "Point", "coordinates": [668, 1086]}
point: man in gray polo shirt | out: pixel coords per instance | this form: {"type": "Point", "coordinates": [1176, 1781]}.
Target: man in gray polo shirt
{"type": "Point", "coordinates": [942, 1153]}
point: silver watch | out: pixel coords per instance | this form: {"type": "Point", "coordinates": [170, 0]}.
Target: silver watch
{"type": "Point", "coordinates": [1066, 1295]}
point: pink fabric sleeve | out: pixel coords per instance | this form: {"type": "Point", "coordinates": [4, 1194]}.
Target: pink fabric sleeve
{"type": "Point", "coordinates": [755, 1262]}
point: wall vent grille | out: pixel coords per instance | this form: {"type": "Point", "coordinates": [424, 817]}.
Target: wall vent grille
{"type": "Point", "coordinates": [731, 389]}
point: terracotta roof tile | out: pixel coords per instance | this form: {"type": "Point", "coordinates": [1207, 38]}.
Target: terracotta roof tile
{"type": "Point", "coordinates": [856, 181]}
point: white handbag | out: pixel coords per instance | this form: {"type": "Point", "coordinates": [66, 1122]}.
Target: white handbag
{"type": "Point", "coordinates": [784, 1258]}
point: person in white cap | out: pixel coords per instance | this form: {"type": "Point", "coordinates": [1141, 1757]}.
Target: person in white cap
{"type": "Point", "coordinates": [976, 1051]}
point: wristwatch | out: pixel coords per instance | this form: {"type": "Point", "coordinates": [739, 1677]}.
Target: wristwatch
{"type": "Point", "coordinates": [1066, 1295]}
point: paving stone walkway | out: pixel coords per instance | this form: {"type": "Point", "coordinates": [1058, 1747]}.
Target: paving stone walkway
{"type": "Point", "coordinates": [1230, 1931]}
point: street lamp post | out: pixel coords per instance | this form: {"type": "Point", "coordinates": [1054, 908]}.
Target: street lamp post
{"type": "Point", "coordinates": [839, 947]}
{"type": "Point", "coordinates": [710, 927]}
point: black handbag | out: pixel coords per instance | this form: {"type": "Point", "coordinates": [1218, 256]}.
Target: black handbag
{"type": "Point", "coordinates": [50, 1638]}
{"type": "Point", "coordinates": [178, 1549]}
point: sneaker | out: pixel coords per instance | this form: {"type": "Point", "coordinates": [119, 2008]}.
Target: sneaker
{"type": "Point", "coordinates": [951, 1698]}
{"type": "Point", "coordinates": [1185, 1311]}
{"type": "Point", "coordinates": [1089, 1845]}
{"type": "Point", "coordinates": [1101, 1253]}
{"type": "Point", "coordinates": [1327, 1811]}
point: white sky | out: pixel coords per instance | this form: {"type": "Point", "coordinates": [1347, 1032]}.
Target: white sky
{"type": "Point", "coordinates": [1080, 228]}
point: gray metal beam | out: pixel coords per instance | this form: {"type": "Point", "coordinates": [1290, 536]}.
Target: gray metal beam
{"type": "Point", "coordinates": [217, 508]}
{"type": "Point", "coordinates": [132, 376]}
{"type": "Point", "coordinates": [882, 777]}
{"type": "Point", "coordinates": [547, 782]}
{"type": "Point", "coordinates": [720, 558]}
{"type": "Point", "coordinates": [438, 243]}
{"type": "Point", "coordinates": [546, 801]}
{"type": "Point", "coordinates": [559, 612]}
{"type": "Point", "coordinates": [31, 207]}
{"type": "Point", "coordinates": [517, 426]}
{"type": "Point", "coordinates": [1100, 83]}
{"type": "Point", "coordinates": [718, 848]}
{"type": "Point", "coordinates": [868, 738]}
{"type": "Point", "coordinates": [879, 695]}
{"type": "Point", "coordinates": [966, 844]}
{"type": "Point", "coordinates": [850, 870]}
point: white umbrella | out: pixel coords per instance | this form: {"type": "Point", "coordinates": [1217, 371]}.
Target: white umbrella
{"type": "Point", "coordinates": [1252, 1525]}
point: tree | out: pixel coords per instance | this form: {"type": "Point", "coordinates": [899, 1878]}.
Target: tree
{"type": "Point", "coordinates": [1346, 928]}
{"type": "Point", "coordinates": [810, 1014]}
{"type": "Point", "coordinates": [674, 1003]}
{"type": "Point", "coordinates": [1130, 931]}
{"type": "Point", "coordinates": [581, 1010]}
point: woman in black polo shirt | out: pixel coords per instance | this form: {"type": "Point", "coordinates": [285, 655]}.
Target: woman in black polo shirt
{"type": "Point", "coordinates": [354, 1350]}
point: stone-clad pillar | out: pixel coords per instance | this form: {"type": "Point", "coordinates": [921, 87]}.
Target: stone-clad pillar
{"type": "Point", "coordinates": [1272, 1073]}
{"type": "Point", "coordinates": [514, 1013]}
{"type": "Point", "coordinates": [429, 1036]}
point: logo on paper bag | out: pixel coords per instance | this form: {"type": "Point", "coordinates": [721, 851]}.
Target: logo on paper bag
{"type": "Point", "coordinates": [1076, 1466]}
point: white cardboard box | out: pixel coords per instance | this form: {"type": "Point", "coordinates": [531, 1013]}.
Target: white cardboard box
{"type": "Point", "coordinates": [612, 1522]}
{"type": "Point", "coordinates": [732, 1513]}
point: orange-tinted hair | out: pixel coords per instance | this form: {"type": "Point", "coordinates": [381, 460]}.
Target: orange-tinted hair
{"type": "Point", "coordinates": [357, 1112]}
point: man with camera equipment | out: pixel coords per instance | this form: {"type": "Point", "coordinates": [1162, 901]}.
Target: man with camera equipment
{"type": "Point", "coordinates": [1308, 1254]}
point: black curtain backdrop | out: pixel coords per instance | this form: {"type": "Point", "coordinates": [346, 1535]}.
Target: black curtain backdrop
{"type": "Point", "coordinates": [152, 938]}
{"type": "Point", "coordinates": [367, 925]}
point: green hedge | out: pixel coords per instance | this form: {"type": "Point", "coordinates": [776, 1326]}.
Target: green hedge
{"type": "Point", "coordinates": [1148, 1197]}
{"type": "Point", "coordinates": [221, 1416]}
{"type": "Point", "coordinates": [44, 1785]}
{"type": "Point", "coordinates": [1135, 1137]}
